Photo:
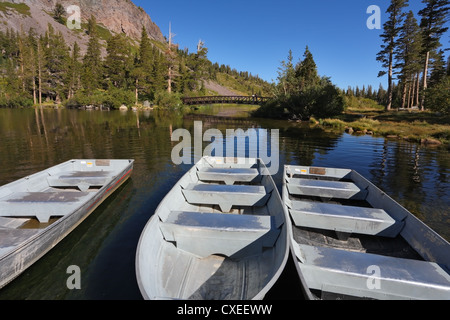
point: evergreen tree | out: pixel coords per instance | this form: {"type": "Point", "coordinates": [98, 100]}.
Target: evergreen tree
{"type": "Point", "coordinates": [56, 64]}
{"type": "Point", "coordinates": [286, 76]}
{"type": "Point", "coordinates": [118, 61]}
{"type": "Point", "coordinates": [59, 12]}
{"type": "Point", "coordinates": [143, 65]}
{"type": "Point", "coordinates": [92, 62]}
{"type": "Point", "coordinates": [306, 72]}
{"type": "Point", "coordinates": [74, 72]}
{"type": "Point", "coordinates": [407, 54]}
{"type": "Point", "coordinates": [40, 63]}
{"type": "Point", "coordinates": [159, 72]}
{"type": "Point", "coordinates": [434, 16]}
{"type": "Point", "coordinates": [390, 41]}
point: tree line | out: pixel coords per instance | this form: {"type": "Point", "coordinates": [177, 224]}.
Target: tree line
{"type": "Point", "coordinates": [39, 69]}
{"type": "Point", "coordinates": [412, 54]}
{"type": "Point", "coordinates": [36, 69]}
{"type": "Point", "coordinates": [301, 93]}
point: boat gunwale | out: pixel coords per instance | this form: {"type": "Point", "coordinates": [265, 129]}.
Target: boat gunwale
{"type": "Point", "coordinates": [409, 219]}
{"type": "Point", "coordinates": [155, 219]}
{"type": "Point", "coordinates": [93, 203]}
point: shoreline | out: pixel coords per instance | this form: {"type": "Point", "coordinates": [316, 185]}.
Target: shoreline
{"type": "Point", "coordinates": [426, 128]}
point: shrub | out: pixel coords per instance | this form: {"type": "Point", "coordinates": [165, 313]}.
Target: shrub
{"type": "Point", "coordinates": [321, 101]}
{"type": "Point", "coordinates": [438, 97]}
{"type": "Point", "coordinates": [166, 100]}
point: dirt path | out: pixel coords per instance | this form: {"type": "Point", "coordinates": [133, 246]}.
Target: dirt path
{"type": "Point", "coordinates": [221, 90]}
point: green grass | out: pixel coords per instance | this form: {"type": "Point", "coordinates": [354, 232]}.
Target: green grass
{"type": "Point", "coordinates": [366, 116]}
{"type": "Point", "coordinates": [21, 8]}
{"type": "Point", "coordinates": [240, 86]}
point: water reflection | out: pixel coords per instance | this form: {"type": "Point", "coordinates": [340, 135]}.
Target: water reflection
{"type": "Point", "coordinates": [104, 245]}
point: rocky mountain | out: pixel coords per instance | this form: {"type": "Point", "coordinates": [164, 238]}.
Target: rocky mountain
{"type": "Point", "coordinates": [115, 16]}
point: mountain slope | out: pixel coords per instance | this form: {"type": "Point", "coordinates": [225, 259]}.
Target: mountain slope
{"type": "Point", "coordinates": [116, 16]}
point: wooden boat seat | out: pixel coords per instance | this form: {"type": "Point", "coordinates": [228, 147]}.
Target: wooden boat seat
{"type": "Point", "coordinates": [346, 219]}
{"type": "Point", "coordinates": [83, 180]}
{"type": "Point", "coordinates": [373, 276]}
{"type": "Point", "coordinates": [326, 189]}
{"type": "Point", "coordinates": [225, 196]}
{"type": "Point", "coordinates": [228, 175]}
{"type": "Point", "coordinates": [42, 205]}
{"type": "Point", "coordinates": [205, 234]}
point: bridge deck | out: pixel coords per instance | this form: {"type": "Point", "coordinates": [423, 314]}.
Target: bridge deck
{"type": "Point", "coordinates": [225, 100]}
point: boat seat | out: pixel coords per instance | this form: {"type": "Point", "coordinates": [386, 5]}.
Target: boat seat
{"type": "Point", "coordinates": [373, 276]}
{"type": "Point", "coordinates": [228, 175]}
{"type": "Point", "coordinates": [326, 189]}
{"type": "Point", "coordinates": [225, 196]}
{"type": "Point", "coordinates": [205, 234]}
{"type": "Point", "coordinates": [42, 205]}
{"type": "Point", "coordinates": [346, 219]}
{"type": "Point", "coordinates": [83, 180]}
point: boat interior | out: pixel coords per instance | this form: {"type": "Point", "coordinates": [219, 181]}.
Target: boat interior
{"type": "Point", "coordinates": [221, 228]}
{"type": "Point", "coordinates": [31, 204]}
{"type": "Point", "coordinates": [344, 227]}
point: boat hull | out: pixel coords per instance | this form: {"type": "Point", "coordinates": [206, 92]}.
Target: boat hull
{"type": "Point", "coordinates": [238, 256]}
{"type": "Point", "coordinates": [351, 240]}
{"type": "Point", "coordinates": [15, 260]}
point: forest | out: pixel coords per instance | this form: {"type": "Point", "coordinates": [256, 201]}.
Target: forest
{"type": "Point", "coordinates": [37, 70]}
{"type": "Point", "coordinates": [45, 70]}
{"type": "Point", "coordinates": [411, 56]}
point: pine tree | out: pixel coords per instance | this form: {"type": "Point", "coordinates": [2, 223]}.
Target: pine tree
{"type": "Point", "coordinates": [407, 54]}
{"type": "Point", "coordinates": [57, 61]}
{"type": "Point", "coordinates": [143, 66]}
{"type": "Point", "coordinates": [434, 16]}
{"type": "Point", "coordinates": [306, 72]}
{"type": "Point", "coordinates": [92, 62]}
{"type": "Point", "coordinates": [390, 39]}
{"type": "Point", "coordinates": [40, 57]}
{"type": "Point", "coordinates": [286, 75]}
{"type": "Point", "coordinates": [74, 72]}
{"type": "Point", "coordinates": [159, 72]}
{"type": "Point", "coordinates": [118, 61]}
{"type": "Point", "coordinates": [59, 12]}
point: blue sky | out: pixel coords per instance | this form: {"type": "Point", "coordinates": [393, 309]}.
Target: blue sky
{"type": "Point", "coordinates": [256, 36]}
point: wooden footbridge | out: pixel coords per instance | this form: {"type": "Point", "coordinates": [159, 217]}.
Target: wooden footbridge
{"type": "Point", "coordinates": [225, 100]}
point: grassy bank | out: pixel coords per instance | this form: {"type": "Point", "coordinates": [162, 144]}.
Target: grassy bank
{"type": "Point", "coordinates": [366, 117]}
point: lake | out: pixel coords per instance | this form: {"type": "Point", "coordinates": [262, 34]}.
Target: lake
{"type": "Point", "coordinates": [104, 246]}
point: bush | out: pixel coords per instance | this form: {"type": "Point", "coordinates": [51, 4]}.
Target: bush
{"type": "Point", "coordinates": [274, 109]}
{"type": "Point", "coordinates": [320, 101]}
{"type": "Point", "coordinates": [16, 102]}
{"type": "Point", "coordinates": [112, 98]}
{"type": "Point", "coordinates": [166, 100]}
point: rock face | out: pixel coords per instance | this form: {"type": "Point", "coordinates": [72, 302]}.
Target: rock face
{"type": "Point", "coordinates": [118, 16]}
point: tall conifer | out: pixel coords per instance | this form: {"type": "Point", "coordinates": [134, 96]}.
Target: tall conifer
{"type": "Point", "coordinates": [434, 16]}
{"type": "Point", "coordinates": [390, 35]}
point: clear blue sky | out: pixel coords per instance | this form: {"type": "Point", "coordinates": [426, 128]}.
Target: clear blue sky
{"type": "Point", "coordinates": [256, 35]}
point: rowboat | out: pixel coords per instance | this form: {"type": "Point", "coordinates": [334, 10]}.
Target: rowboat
{"type": "Point", "coordinates": [351, 240]}
{"type": "Point", "coordinates": [219, 234]}
{"type": "Point", "coordinates": [38, 211]}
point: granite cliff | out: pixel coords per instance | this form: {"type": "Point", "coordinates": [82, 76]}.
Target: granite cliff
{"type": "Point", "coordinates": [116, 16]}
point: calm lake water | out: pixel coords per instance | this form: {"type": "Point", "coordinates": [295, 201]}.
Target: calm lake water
{"type": "Point", "coordinates": [104, 245]}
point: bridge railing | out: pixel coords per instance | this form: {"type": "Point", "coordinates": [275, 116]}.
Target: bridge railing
{"type": "Point", "coordinates": [224, 100]}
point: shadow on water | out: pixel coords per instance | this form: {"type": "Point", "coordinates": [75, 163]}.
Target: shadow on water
{"type": "Point", "coordinates": [104, 245]}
